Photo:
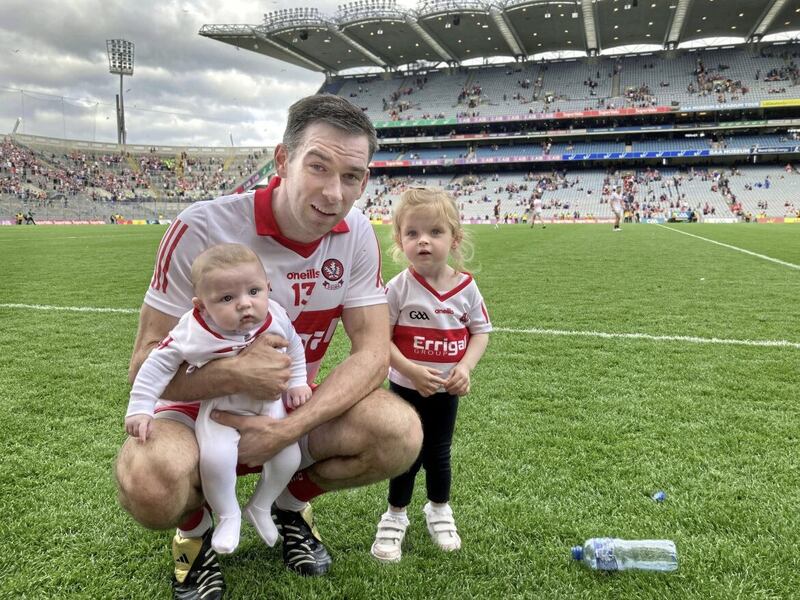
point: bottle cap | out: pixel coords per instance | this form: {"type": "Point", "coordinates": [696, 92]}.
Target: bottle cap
{"type": "Point", "coordinates": [577, 552]}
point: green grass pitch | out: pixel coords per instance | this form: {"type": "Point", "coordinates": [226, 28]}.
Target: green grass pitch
{"type": "Point", "coordinates": [564, 437]}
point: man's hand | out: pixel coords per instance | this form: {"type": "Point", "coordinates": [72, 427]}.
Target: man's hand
{"type": "Point", "coordinates": [262, 437]}
{"type": "Point", "coordinates": [427, 381]}
{"type": "Point", "coordinates": [262, 372]}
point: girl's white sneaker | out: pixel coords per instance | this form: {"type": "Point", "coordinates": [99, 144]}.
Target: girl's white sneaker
{"type": "Point", "coordinates": [387, 546]}
{"type": "Point", "coordinates": [442, 527]}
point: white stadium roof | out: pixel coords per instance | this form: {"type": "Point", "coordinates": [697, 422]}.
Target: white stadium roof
{"type": "Point", "coordinates": [378, 33]}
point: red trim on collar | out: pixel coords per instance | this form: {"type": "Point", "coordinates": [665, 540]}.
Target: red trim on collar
{"type": "Point", "coordinates": [199, 318]}
{"type": "Point", "coordinates": [265, 325]}
{"type": "Point", "coordinates": [424, 283]}
{"type": "Point", "coordinates": [267, 225]}
{"type": "Point", "coordinates": [262, 209]}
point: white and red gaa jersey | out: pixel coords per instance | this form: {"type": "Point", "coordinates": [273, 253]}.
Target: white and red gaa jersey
{"type": "Point", "coordinates": [433, 328]}
{"type": "Point", "coordinates": [196, 341]}
{"type": "Point", "coordinates": [314, 282]}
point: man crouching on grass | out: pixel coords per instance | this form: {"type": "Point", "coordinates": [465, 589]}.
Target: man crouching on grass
{"type": "Point", "coordinates": [323, 260]}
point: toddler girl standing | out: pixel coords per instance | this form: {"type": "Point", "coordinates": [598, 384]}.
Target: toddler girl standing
{"type": "Point", "coordinates": [440, 332]}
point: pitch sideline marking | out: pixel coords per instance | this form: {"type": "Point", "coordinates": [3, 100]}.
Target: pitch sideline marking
{"type": "Point", "coordinates": [533, 331]}
{"type": "Point", "coordinates": [90, 309]}
{"type": "Point", "coordinates": [654, 338]}
{"type": "Point", "coordinates": [764, 256]}
{"type": "Point", "coordinates": [74, 237]}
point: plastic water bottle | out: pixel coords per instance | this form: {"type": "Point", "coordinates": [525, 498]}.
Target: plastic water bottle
{"type": "Point", "coordinates": [612, 554]}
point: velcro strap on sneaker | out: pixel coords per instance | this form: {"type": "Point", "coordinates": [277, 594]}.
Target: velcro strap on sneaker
{"type": "Point", "coordinates": [442, 526]}
{"type": "Point", "coordinates": [390, 528]}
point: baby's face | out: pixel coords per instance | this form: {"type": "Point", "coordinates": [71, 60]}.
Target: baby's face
{"type": "Point", "coordinates": [236, 298]}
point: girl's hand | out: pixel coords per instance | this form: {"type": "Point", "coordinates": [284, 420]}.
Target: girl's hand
{"type": "Point", "coordinates": [139, 426]}
{"type": "Point", "coordinates": [458, 381]}
{"type": "Point", "coordinates": [427, 381]}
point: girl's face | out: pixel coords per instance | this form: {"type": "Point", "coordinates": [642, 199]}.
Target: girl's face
{"type": "Point", "coordinates": [426, 239]}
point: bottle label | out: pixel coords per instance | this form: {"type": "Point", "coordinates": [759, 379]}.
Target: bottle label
{"type": "Point", "coordinates": [604, 554]}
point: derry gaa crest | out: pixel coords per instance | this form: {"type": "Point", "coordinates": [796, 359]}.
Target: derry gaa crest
{"type": "Point", "coordinates": [332, 271]}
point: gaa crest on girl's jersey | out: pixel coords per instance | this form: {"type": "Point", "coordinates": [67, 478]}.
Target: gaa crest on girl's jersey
{"type": "Point", "coordinates": [332, 271]}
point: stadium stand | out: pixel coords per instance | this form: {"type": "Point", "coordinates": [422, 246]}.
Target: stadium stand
{"type": "Point", "coordinates": [713, 131]}
{"type": "Point", "coordinates": [65, 180]}
{"type": "Point", "coordinates": [683, 79]}
{"type": "Point", "coordinates": [567, 195]}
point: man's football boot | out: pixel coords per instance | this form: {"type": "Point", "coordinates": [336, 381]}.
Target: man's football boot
{"type": "Point", "coordinates": [303, 551]}
{"type": "Point", "coordinates": [197, 573]}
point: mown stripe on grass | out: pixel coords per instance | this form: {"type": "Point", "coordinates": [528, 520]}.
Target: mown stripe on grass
{"type": "Point", "coordinates": [756, 254]}
{"type": "Point", "coordinates": [654, 338]}
{"type": "Point", "coordinates": [531, 331]}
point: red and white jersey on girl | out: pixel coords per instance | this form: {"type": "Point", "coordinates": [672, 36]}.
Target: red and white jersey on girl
{"type": "Point", "coordinates": [432, 328]}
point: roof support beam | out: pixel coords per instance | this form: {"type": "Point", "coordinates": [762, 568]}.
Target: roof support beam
{"type": "Point", "coordinates": [678, 19]}
{"type": "Point", "coordinates": [304, 59]}
{"type": "Point", "coordinates": [333, 30]}
{"type": "Point", "coordinates": [430, 40]}
{"type": "Point", "coordinates": [766, 19]}
{"type": "Point", "coordinates": [507, 31]}
{"type": "Point", "coordinates": [589, 27]}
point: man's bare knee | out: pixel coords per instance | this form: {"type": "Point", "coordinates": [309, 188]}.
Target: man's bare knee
{"type": "Point", "coordinates": [158, 481]}
{"type": "Point", "coordinates": [378, 438]}
{"type": "Point", "coordinates": [398, 436]}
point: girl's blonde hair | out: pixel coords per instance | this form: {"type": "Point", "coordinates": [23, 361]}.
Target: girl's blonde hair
{"type": "Point", "coordinates": [444, 206]}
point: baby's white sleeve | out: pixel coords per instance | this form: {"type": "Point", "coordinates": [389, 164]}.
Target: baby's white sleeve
{"type": "Point", "coordinates": [298, 374]}
{"type": "Point", "coordinates": [153, 378]}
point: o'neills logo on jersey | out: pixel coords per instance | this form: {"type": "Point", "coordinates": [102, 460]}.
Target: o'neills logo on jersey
{"type": "Point", "coordinates": [444, 311]}
{"type": "Point", "coordinates": [307, 274]}
{"type": "Point", "coordinates": [332, 270]}
{"type": "Point", "coordinates": [427, 348]}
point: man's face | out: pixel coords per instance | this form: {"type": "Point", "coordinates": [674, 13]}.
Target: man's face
{"type": "Point", "coordinates": [322, 179]}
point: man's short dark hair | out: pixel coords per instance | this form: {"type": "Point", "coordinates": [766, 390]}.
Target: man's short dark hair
{"type": "Point", "coordinates": [333, 110]}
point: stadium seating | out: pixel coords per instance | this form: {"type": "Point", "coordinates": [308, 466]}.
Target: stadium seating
{"type": "Point", "coordinates": [585, 194]}
{"type": "Point", "coordinates": [72, 183]}
{"type": "Point", "coordinates": [732, 75]}
{"type": "Point", "coordinates": [67, 180]}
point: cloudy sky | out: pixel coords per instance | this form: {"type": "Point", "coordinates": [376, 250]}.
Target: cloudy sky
{"type": "Point", "coordinates": [186, 89]}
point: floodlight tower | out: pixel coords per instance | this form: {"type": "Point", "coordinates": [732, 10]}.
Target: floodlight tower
{"type": "Point", "coordinates": [120, 60]}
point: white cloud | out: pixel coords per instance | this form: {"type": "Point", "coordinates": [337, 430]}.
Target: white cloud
{"type": "Point", "coordinates": [185, 89]}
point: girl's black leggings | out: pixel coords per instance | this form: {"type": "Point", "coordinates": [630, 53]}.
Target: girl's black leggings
{"type": "Point", "coordinates": [438, 416]}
